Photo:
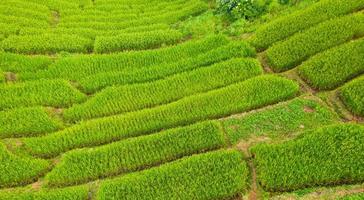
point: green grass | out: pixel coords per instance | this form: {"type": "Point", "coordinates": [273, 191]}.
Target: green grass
{"type": "Point", "coordinates": [137, 41]}
{"type": "Point", "coordinates": [216, 175]}
{"type": "Point", "coordinates": [134, 154]}
{"type": "Point", "coordinates": [357, 196]}
{"type": "Point", "coordinates": [74, 193]}
{"type": "Point", "coordinates": [353, 96]}
{"type": "Point", "coordinates": [244, 96]}
{"type": "Point", "coordinates": [26, 122]}
{"type": "Point", "coordinates": [56, 93]}
{"type": "Point", "coordinates": [18, 170]}
{"type": "Point", "coordinates": [120, 99]}
{"type": "Point", "coordinates": [284, 27]}
{"type": "Point", "coordinates": [329, 155]}
{"type": "Point", "coordinates": [335, 66]}
{"type": "Point", "coordinates": [287, 54]}
{"type": "Point", "coordinates": [293, 116]}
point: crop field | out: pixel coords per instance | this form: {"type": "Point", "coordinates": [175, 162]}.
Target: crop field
{"type": "Point", "coordinates": [181, 99]}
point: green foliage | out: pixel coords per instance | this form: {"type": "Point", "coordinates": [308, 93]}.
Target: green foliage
{"type": "Point", "coordinates": [247, 95]}
{"type": "Point", "coordinates": [237, 9]}
{"type": "Point", "coordinates": [20, 63]}
{"type": "Point", "coordinates": [91, 84]}
{"type": "Point", "coordinates": [81, 66]}
{"type": "Point", "coordinates": [136, 41]}
{"type": "Point", "coordinates": [291, 52]}
{"type": "Point", "coordinates": [353, 96]}
{"type": "Point", "coordinates": [329, 155]}
{"type": "Point", "coordinates": [46, 44]}
{"type": "Point", "coordinates": [56, 93]}
{"type": "Point", "coordinates": [335, 66]}
{"type": "Point", "coordinates": [120, 99]}
{"type": "Point", "coordinates": [134, 154]}
{"type": "Point", "coordinates": [216, 175]}
{"type": "Point", "coordinates": [23, 122]}
{"type": "Point", "coordinates": [74, 193]}
{"type": "Point", "coordinates": [357, 196]}
{"type": "Point", "coordinates": [18, 170]}
{"type": "Point", "coordinates": [286, 26]}
{"type": "Point", "coordinates": [296, 115]}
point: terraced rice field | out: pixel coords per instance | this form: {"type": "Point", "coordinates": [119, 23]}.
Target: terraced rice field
{"type": "Point", "coordinates": [114, 99]}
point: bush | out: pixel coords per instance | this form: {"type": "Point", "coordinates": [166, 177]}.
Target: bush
{"type": "Point", "coordinates": [286, 26]}
{"type": "Point", "coordinates": [353, 96]}
{"type": "Point", "coordinates": [23, 122]}
{"type": "Point", "coordinates": [55, 93]}
{"type": "Point", "coordinates": [237, 9]}
{"type": "Point", "coordinates": [247, 95]}
{"type": "Point", "coordinates": [135, 154]}
{"type": "Point", "coordinates": [329, 155]}
{"type": "Point", "coordinates": [291, 52]}
{"type": "Point", "coordinates": [91, 84]}
{"type": "Point", "coordinates": [19, 170]}
{"type": "Point", "coordinates": [216, 175]}
{"type": "Point", "coordinates": [121, 99]}
{"type": "Point", "coordinates": [335, 66]}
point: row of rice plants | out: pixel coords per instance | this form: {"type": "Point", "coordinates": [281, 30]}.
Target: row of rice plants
{"type": "Point", "coordinates": [216, 175]}
{"type": "Point", "coordinates": [23, 12]}
{"type": "Point", "coordinates": [23, 22]}
{"type": "Point", "coordinates": [26, 5]}
{"type": "Point", "coordinates": [136, 41]}
{"type": "Point", "coordinates": [335, 66]}
{"type": "Point", "coordinates": [91, 33]}
{"type": "Point", "coordinates": [74, 193]}
{"type": "Point", "coordinates": [247, 95]}
{"type": "Point", "coordinates": [280, 120]}
{"type": "Point", "coordinates": [26, 122]}
{"type": "Point", "coordinates": [121, 99]}
{"type": "Point", "coordinates": [91, 84]}
{"type": "Point", "coordinates": [329, 155]}
{"type": "Point", "coordinates": [353, 96]}
{"type": "Point", "coordinates": [55, 93]}
{"type": "Point", "coordinates": [80, 66]}
{"type": "Point", "coordinates": [286, 26]}
{"type": "Point", "coordinates": [8, 29]}
{"type": "Point", "coordinates": [291, 52]}
{"type": "Point", "coordinates": [46, 44]}
{"type": "Point", "coordinates": [56, 5]}
{"type": "Point", "coordinates": [18, 170]}
{"type": "Point", "coordinates": [125, 156]}
{"type": "Point", "coordinates": [11, 62]}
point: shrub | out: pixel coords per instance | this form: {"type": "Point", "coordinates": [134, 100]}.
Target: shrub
{"type": "Point", "coordinates": [329, 155]}
{"type": "Point", "coordinates": [46, 44]}
{"type": "Point", "coordinates": [353, 96]}
{"type": "Point", "coordinates": [99, 81]}
{"type": "Point", "coordinates": [22, 122]}
{"type": "Point", "coordinates": [135, 154]}
{"type": "Point", "coordinates": [216, 175]}
{"type": "Point", "coordinates": [237, 9]}
{"type": "Point", "coordinates": [334, 67]}
{"type": "Point", "coordinates": [287, 54]}
{"type": "Point", "coordinates": [18, 170]}
{"type": "Point", "coordinates": [282, 119]}
{"type": "Point", "coordinates": [136, 41]}
{"type": "Point", "coordinates": [286, 26]}
{"type": "Point", "coordinates": [120, 99]}
{"type": "Point", "coordinates": [56, 93]}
